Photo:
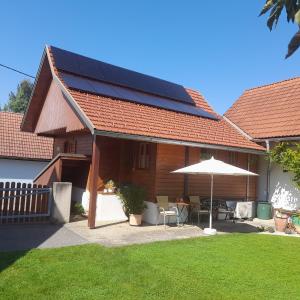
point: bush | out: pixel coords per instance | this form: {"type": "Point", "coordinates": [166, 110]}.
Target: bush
{"type": "Point", "coordinates": [133, 198]}
{"type": "Point", "coordinates": [77, 208]}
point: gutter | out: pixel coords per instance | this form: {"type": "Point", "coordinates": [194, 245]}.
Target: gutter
{"type": "Point", "coordinates": [174, 142]}
{"type": "Point", "coordinates": [25, 158]}
{"type": "Point", "coordinates": [277, 139]}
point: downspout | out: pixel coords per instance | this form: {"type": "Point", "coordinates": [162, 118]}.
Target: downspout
{"type": "Point", "coordinates": [186, 178]}
{"type": "Point", "coordinates": [268, 173]}
{"type": "Point", "coordinates": [248, 177]}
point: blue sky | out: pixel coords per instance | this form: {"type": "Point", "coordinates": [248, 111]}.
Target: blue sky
{"type": "Point", "coordinates": [217, 47]}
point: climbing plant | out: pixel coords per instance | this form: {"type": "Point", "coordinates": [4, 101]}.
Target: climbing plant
{"type": "Point", "coordinates": [287, 155]}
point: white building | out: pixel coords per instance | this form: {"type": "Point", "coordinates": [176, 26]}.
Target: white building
{"type": "Point", "coordinates": [268, 115]}
{"type": "Point", "coordinates": [22, 154]}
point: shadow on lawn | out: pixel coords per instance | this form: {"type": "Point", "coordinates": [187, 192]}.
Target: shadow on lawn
{"type": "Point", "coordinates": [17, 239]}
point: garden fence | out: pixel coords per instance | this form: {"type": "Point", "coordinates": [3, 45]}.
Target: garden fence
{"type": "Point", "coordinates": [24, 203]}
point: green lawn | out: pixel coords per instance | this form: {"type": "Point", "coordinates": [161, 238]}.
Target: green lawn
{"type": "Point", "coordinates": [238, 266]}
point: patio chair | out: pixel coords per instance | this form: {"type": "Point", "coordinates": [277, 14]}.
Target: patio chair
{"type": "Point", "coordinates": [227, 208]}
{"type": "Point", "coordinates": [165, 210]}
{"type": "Point", "coordinates": [198, 207]}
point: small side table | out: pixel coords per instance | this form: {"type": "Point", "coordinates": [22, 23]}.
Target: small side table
{"type": "Point", "coordinates": [182, 206]}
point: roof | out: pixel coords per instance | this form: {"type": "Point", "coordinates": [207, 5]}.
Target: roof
{"type": "Point", "coordinates": [100, 71]}
{"type": "Point", "coordinates": [21, 145]}
{"type": "Point", "coordinates": [269, 111]}
{"type": "Point", "coordinates": [116, 115]}
{"type": "Point", "coordinates": [119, 116]}
{"type": "Point", "coordinates": [74, 157]}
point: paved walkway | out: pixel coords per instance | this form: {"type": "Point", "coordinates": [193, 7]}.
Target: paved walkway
{"type": "Point", "coordinates": [23, 237]}
{"type": "Point", "coordinates": [28, 236]}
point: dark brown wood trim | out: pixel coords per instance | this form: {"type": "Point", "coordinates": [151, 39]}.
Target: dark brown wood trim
{"type": "Point", "coordinates": [186, 177]}
{"type": "Point", "coordinates": [93, 178]}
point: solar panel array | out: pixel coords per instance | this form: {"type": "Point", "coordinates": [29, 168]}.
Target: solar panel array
{"type": "Point", "coordinates": [86, 74]}
{"type": "Point", "coordinates": [94, 69]}
{"type": "Point", "coordinates": [106, 89]}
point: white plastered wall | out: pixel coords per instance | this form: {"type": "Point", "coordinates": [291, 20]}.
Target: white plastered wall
{"type": "Point", "coordinates": [20, 170]}
{"type": "Point", "coordinates": [283, 192]}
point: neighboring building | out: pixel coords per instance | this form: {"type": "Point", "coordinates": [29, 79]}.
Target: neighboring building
{"type": "Point", "coordinates": [22, 154]}
{"type": "Point", "coordinates": [267, 115]}
{"type": "Point", "coordinates": [111, 123]}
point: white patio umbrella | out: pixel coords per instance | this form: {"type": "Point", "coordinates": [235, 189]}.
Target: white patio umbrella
{"type": "Point", "coordinates": [213, 167]}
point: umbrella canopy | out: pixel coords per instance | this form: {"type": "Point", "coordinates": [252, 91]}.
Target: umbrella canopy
{"type": "Point", "coordinates": [213, 167]}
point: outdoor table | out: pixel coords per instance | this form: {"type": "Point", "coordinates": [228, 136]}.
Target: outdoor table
{"type": "Point", "coordinates": [182, 206]}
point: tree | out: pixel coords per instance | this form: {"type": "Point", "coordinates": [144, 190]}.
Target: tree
{"type": "Point", "coordinates": [287, 155]}
{"type": "Point", "coordinates": [18, 102]}
{"type": "Point", "coordinates": [292, 8]}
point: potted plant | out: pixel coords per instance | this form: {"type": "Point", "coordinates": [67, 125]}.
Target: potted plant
{"type": "Point", "coordinates": [110, 187]}
{"type": "Point", "coordinates": [281, 220]}
{"type": "Point", "coordinates": [133, 198]}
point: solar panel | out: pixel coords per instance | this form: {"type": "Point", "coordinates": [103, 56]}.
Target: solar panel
{"type": "Point", "coordinates": [106, 89]}
{"type": "Point", "coordinates": [94, 69]}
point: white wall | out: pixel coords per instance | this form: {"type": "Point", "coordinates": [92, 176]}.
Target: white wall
{"type": "Point", "coordinates": [108, 207]}
{"type": "Point", "coordinates": [20, 170]}
{"type": "Point", "coordinates": [283, 192]}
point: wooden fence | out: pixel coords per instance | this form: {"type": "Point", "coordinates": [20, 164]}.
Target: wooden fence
{"type": "Point", "coordinates": [24, 202]}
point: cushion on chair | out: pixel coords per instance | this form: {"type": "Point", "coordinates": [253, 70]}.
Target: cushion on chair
{"type": "Point", "coordinates": [168, 212]}
{"type": "Point", "coordinates": [194, 199]}
{"type": "Point", "coordinates": [163, 201]}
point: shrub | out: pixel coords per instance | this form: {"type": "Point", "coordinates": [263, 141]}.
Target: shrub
{"type": "Point", "coordinates": [77, 208]}
{"type": "Point", "coordinates": [133, 198]}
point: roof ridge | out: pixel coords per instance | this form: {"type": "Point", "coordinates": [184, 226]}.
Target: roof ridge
{"type": "Point", "coordinates": [273, 83]}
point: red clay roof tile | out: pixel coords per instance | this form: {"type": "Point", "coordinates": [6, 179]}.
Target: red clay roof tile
{"type": "Point", "coordinates": [269, 111]}
{"type": "Point", "coordinates": [21, 145]}
{"type": "Point", "coordinates": [120, 116]}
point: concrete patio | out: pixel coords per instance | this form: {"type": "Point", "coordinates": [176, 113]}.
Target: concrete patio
{"type": "Point", "coordinates": [24, 237]}
{"type": "Point", "coordinates": [120, 234]}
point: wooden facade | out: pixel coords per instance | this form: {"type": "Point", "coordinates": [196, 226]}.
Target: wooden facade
{"type": "Point", "coordinates": [97, 159]}
{"type": "Point", "coordinates": [119, 163]}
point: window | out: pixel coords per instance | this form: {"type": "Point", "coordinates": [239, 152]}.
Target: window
{"type": "Point", "coordinates": [232, 158]}
{"type": "Point", "coordinates": [70, 146]}
{"type": "Point", "coordinates": [143, 161]}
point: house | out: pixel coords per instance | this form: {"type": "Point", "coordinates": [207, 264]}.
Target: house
{"type": "Point", "coordinates": [22, 155]}
{"type": "Point", "coordinates": [268, 115]}
{"type": "Point", "coordinates": [112, 123]}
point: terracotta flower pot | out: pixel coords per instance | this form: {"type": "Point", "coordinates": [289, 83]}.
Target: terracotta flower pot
{"type": "Point", "coordinates": [135, 220]}
{"type": "Point", "coordinates": [281, 223]}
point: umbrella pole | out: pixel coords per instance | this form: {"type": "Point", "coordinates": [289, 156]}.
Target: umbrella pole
{"type": "Point", "coordinates": [210, 230]}
{"type": "Point", "coordinates": [211, 200]}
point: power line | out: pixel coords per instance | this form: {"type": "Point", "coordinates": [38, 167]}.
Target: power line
{"type": "Point", "coordinates": [20, 72]}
